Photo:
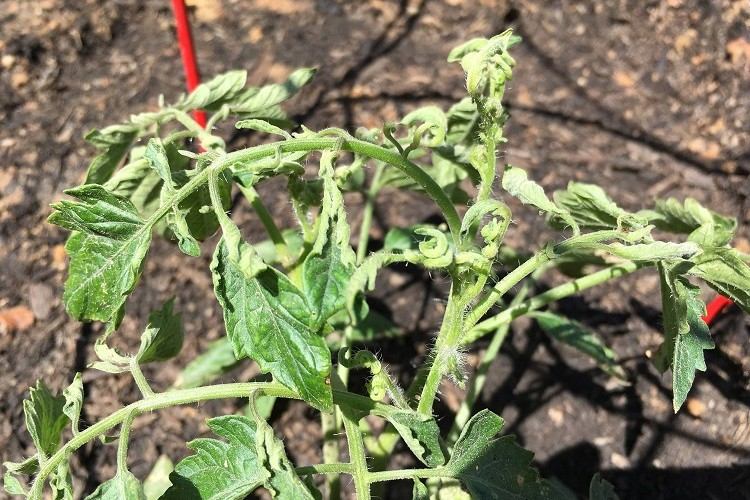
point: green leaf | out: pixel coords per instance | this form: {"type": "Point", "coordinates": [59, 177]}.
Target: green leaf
{"type": "Point", "coordinates": [12, 485]}
{"type": "Point", "coordinates": [106, 254]}
{"type": "Point", "coordinates": [705, 226]}
{"type": "Point", "coordinates": [492, 467]}
{"type": "Point", "coordinates": [419, 491]}
{"type": "Point", "coordinates": [73, 395]}
{"type": "Point", "coordinates": [325, 277]}
{"type": "Point", "coordinates": [599, 489]}
{"type": "Point", "coordinates": [431, 118]}
{"type": "Point", "coordinates": [61, 482]}
{"type": "Point", "coordinates": [45, 419]}
{"type": "Point", "coordinates": [269, 320]}
{"type": "Point", "coordinates": [463, 123]}
{"type": "Point", "coordinates": [98, 212]}
{"type": "Point", "coordinates": [726, 272]}
{"type": "Point", "coordinates": [486, 62]}
{"type": "Point", "coordinates": [217, 91]}
{"type": "Point", "coordinates": [421, 434]}
{"type": "Point", "coordinates": [113, 144]}
{"type": "Point", "coordinates": [686, 335]}
{"type": "Point", "coordinates": [517, 183]}
{"type": "Point", "coordinates": [259, 102]}
{"type": "Point", "coordinates": [139, 183]}
{"type": "Point", "coordinates": [215, 361]}
{"type": "Point", "coordinates": [580, 338]}
{"type": "Point", "coordinates": [234, 468]}
{"type": "Point", "coordinates": [163, 336]}
{"type": "Point", "coordinates": [124, 486]}
{"type": "Point", "coordinates": [157, 482]}
{"type": "Point", "coordinates": [591, 208]}
{"type": "Point", "coordinates": [262, 126]}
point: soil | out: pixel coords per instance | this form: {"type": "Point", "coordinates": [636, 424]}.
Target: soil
{"type": "Point", "coordinates": [648, 99]}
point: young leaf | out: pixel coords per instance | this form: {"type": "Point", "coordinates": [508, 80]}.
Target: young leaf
{"type": "Point", "coordinates": [710, 228]}
{"type": "Point", "coordinates": [419, 491]}
{"type": "Point", "coordinates": [217, 91]}
{"type": "Point", "coordinates": [591, 208]}
{"type": "Point", "coordinates": [433, 119]}
{"type": "Point", "coordinates": [262, 126]}
{"type": "Point", "coordinates": [61, 482]}
{"type": "Point", "coordinates": [493, 467]}
{"type": "Point", "coordinates": [106, 253]}
{"type": "Point", "coordinates": [232, 469]}
{"type": "Point", "coordinates": [686, 335]}
{"type": "Point", "coordinates": [163, 336]}
{"type": "Point", "coordinates": [209, 365]}
{"type": "Point", "coordinates": [124, 486]}
{"type": "Point", "coordinates": [325, 277]}
{"type": "Point", "coordinates": [73, 395]}
{"type": "Point", "coordinates": [113, 143]}
{"type": "Point", "coordinates": [599, 489]}
{"type": "Point", "coordinates": [269, 320]}
{"type": "Point", "coordinates": [517, 183]}
{"type": "Point", "coordinates": [45, 419]}
{"type": "Point", "coordinates": [580, 338]}
{"type": "Point", "coordinates": [726, 272]}
{"type": "Point", "coordinates": [259, 102]}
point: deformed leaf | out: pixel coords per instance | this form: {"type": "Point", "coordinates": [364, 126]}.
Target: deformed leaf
{"type": "Point", "coordinates": [421, 434]}
{"type": "Point", "coordinates": [262, 126]}
{"type": "Point", "coordinates": [163, 336]}
{"type": "Point", "coordinates": [686, 335]}
{"type": "Point", "coordinates": [106, 251]}
{"type": "Point", "coordinates": [61, 482]}
{"type": "Point", "coordinates": [580, 338]}
{"type": "Point", "coordinates": [705, 226]}
{"type": "Point", "coordinates": [124, 486]}
{"type": "Point", "coordinates": [269, 320]}
{"type": "Point", "coordinates": [113, 144]}
{"type": "Point", "coordinates": [45, 419]}
{"type": "Point", "coordinates": [591, 208]}
{"type": "Point", "coordinates": [258, 102]}
{"type": "Point", "coordinates": [517, 183]}
{"type": "Point", "coordinates": [209, 365]}
{"type": "Point", "coordinates": [325, 277]}
{"type": "Point", "coordinates": [215, 92]}
{"type": "Point", "coordinates": [726, 272]}
{"type": "Point", "coordinates": [495, 467]}
{"type": "Point", "coordinates": [433, 119]}
{"type": "Point", "coordinates": [419, 491]}
{"type": "Point", "coordinates": [73, 395]}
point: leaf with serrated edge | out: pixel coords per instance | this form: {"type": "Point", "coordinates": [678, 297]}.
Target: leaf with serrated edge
{"type": "Point", "coordinates": [686, 335]}
{"type": "Point", "coordinates": [105, 259]}
{"type": "Point", "coordinates": [689, 217]}
{"type": "Point", "coordinates": [726, 272]}
{"type": "Point", "coordinates": [45, 419]}
{"type": "Point", "coordinates": [113, 143]}
{"type": "Point", "coordinates": [421, 434]}
{"type": "Point", "coordinates": [591, 208]}
{"type": "Point", "coordinates": [580, 338]}
{"type": "Point", "coordinates": [269, 320]}
{"type": "Point", "coordinates": [163, 336]}
{"type": "Point", "coordinates": [73, 395]}
{"type": "Point", "coordinates": [124, 486]}
{"type": "Point", "coordinates": [517, 183]}
{"type": "Point", "coordinates": [492, 467]}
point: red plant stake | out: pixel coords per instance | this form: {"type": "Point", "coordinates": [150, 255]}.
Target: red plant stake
{"type": "Point", "coordinates": [187, 51]}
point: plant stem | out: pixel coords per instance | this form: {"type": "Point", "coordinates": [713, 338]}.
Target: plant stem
{"type": "Point", "coordinates": [354, 440]}
{"type": "Point", "coordinates": [505, 284]}
{"type": "Point", "coordinates": [140, 379]}
{"type": "Point", "coordinates": [330, 425]}
{"type": "Point", "coordinates": [552, 295]}
{"type": "Point", "coordinates": [182, 397]}
{"type": "Point", "coordinates": [475, 389]}
{"type": "Point", "coordinates": [395, 475]}
{"type": "Point", "coordinates": [267, 220]}
{"type": "Point", "coordinates": [332, 468]}
{"type": "Point", "coordinates": [124, 440]}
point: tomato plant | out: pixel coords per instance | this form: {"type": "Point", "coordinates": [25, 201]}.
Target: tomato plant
{"type": "Point", "coordinates": [296, 304]}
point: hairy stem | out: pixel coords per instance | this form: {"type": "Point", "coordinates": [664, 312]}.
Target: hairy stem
{"type": "Point", "coordinates": [124, 441]}
{"type": "Point", "coordinates": [330, 426]}
{"type": "Point", "coordinates": [140, 379]}
{"type": "Point", "coordinates": [183, 397]}
{"type": "Point", "coordinates": [332, 468]}
{"type": "Point", "coordinates": [552, 295]}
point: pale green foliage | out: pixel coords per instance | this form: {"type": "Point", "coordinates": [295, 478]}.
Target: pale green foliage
{"type": "Point", "coordinates": [296, 301]}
